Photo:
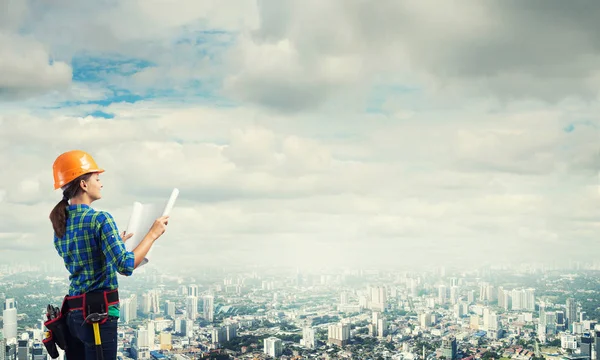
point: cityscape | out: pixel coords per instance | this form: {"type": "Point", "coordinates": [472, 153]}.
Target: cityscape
{"type": "Point", "coordinates": [526, 312]}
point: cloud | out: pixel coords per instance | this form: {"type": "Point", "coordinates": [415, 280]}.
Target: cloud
{"type": "Point", "coordinates": [27, 70]}
{"type": "Point", "coordinates": [305, 53]}
{"type": "Point", "coordinates": [462, 186]}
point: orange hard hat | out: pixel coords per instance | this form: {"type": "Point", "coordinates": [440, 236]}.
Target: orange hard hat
{"type": "Point", "coordinates": [72, 164]}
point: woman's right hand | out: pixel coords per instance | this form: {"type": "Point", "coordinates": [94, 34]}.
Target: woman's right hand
{"type": "Point", "coordinates": [159, 227]}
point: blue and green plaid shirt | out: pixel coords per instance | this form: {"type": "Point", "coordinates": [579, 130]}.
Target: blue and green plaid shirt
{"type": "Point", "coordinates": [93, 250]}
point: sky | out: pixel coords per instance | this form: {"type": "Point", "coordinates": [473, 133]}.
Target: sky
{"type": "Point", "coordinates": [311, 133]}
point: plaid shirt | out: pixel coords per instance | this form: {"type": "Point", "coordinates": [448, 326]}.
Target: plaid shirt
{"type": "Point", "coordinates": [93, 250]}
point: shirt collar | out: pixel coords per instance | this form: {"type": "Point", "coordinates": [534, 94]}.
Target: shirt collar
{"type": "Point", "coordinates": [78, 207]}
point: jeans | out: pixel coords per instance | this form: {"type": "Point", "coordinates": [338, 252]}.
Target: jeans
{"type": "Point", "coordinates": [80, 343]}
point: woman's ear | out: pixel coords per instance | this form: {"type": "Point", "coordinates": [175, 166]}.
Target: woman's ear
{"type": "Point", "coordinates": [83, 185]}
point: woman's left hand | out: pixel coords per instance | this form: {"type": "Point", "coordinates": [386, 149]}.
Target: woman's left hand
{"type": "Point", "coordinates": [126, 237]}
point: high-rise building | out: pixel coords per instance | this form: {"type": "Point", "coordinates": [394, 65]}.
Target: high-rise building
{"type": "Point", "coordinates": [170, 308]}
{"type": "Point", "coordinates": [571, 311]}
{"type": "Point", "coordinates": [550, 322]}
{"type": "Point", "coordinates": [187, 327]}
{"type": "Point", "coordinates": [38, 351]}
{"type": "Point", "coordinates": [449, 348]}
{"type": "Point", "coordinates": [151, 334]}
{"type": "Point", "coordinates": [219, 335]}
{"type": "Point", "coordinates": [209, 308]}
{"type": "Point", "coordinates": [179, 325]}
{"type": "Point", "coordinates": [140, 348]}
{"type": "Point", "coordinates": [471, 296]}
{"type": "Point", "coordinates": [378, 295]}
{"type": "Point", "coordinates": [128, 309]}
{"type": "Point", "coordinates": [442, 293]}
{"type": "Point", "coordinates": [165, 340]}
{"type": "Point", "coordinates": [425, 319]}
{"type": "Point", "coordinates": [529, 299]}
{"type": "Point", "coordinates": [273, 347]}
{"type": "Point", "coordinates": [343, 298]}
{"type": "Point", "coordinates": [482, 292]}
{"type": "Point", "coordinates": [23, 349]}
{"type": "Point", "coordinates": [542, 314]}
{"type": "Point", "coordinates": [191, 307]}
{"type": "Point", "coordinates": [150, 302]}
{"type": "Point", "coordinates": [2, 347]}
{"type": "Point", "coordinates": [517, 299]}
{"type": "Point", "coordinates": [413, 287]}
{"type": "Point", "coordinates": [487, 292]}
{"type": "Point", "coordinates": [503, 298]}
{"type": "Point", "coordinates": [231, 331]}
{"type": "Point", "coordinates": [597, 344]}
{"type": "Point", "coordinates": [458, 310]}
{"type": "Point", "coordinates": [338, 334]}
{"type": "Point", "coordinates": [125, 315]}
{"type": "Point", "coordinates": [193, 290]}
{"type": "Point", "coordinates": [568, 341]}
{"type": "Point", "coordinates": [308, 336]}
{"type": "Point", "coordinates": [9, 316]}
{"type": "Point", "coordinates": [586, 344]}
{"type": "Point", "coordinates": [454, 295]}
{"type": "Point", "coordinates": [560, 321]}
{"type": "Point", "coordinates": [375, 316]}
{"type": "Point", "coordinates": [382, 327]}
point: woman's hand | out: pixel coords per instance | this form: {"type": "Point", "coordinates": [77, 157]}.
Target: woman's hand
{"type": "Point", "coordinates": [126, 237]}
{"type": "Point", "coordinates": [159, 227]}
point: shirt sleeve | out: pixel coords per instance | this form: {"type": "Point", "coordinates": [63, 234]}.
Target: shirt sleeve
{"type": "Point", "coordinates": [113, 247]}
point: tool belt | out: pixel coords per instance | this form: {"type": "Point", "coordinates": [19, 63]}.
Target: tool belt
{"type": "Point", "coordinates": [90, 303]}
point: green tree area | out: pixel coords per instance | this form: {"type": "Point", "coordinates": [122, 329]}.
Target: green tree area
{"type": "Point", "coordinates": [325, 319]}
{"type": "Point", "coordinates": [237, 343]}
{"type": "Point", "coordinates": [490, 354]}
{"type": "Point", "coordinates": [215, 356]}
{"type": "Point", "coordinates": [585, 288]}
{"type": "Point", "coordinates": [527, 344]}
{"type": "Point", "coordinates": [268, 324]}
{"type": "Point", "coordinates": [288, 327]}
{"type": "Point", "coordinates": [554, 343]}
{"type": "Point", "coordinates": [396, 313]}
{"type": "Point", "coordinates": [295, 338]}
{"type": "Point", "coordinates": [360, 324]}
{"type": "Point", "coordinates": [364, 342]}
{"type": "Point", "coordinates": [321, 335]}
{"type": "Point", "coordinates": [362, 330]}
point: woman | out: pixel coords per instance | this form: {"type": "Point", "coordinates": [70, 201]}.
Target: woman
{"type": "Point", "coordinates": [93, 252]}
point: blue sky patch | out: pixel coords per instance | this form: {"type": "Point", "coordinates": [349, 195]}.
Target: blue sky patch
{"type": "Point", "coordinates": [380, 93]}
{"type": "Point", "coordinates": [102, 114]}
{"type": "Point", "coordinates": [99, 68]}
{"type": "Point", "coordinates": [574, 125]}
{"type": "Point", "coordinates": [113, 72]}
{"type": "Point", "coordinates": [569, 128]}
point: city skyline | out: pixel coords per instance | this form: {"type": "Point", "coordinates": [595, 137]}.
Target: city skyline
{"type": "Point", "coordinates": [310, 133]}
{"type": "Point", "coordinates": [482, 314]}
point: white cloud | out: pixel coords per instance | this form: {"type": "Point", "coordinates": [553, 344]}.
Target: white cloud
{"type": "Point", "coordinates": [461, 48]}
{"type": "Point", "coordinates": [25, 68]}
{"type": "Point", "coordinates": [420, 187]}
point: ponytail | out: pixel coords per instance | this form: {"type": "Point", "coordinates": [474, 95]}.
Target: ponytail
{"type": "Point", "coordinates": [58, 215]}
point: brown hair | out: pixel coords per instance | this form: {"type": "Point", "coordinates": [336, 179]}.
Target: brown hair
{"type": "Point", "coordinates": [58, 215]}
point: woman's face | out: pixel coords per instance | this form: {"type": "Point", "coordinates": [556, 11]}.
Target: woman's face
{"type": "Point", "coordinates": [94, 187]}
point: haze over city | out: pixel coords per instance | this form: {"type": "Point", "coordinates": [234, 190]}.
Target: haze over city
{"type": "Point", "coordinates": [308, 133]}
